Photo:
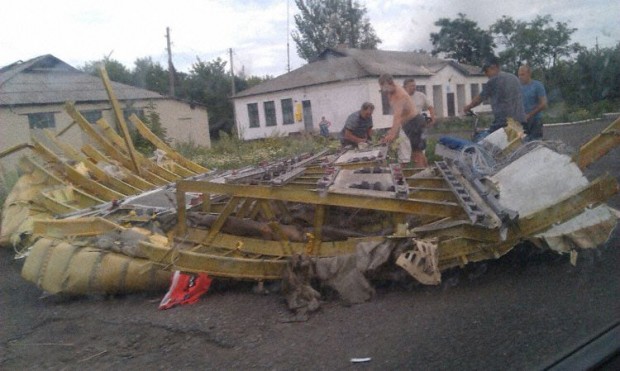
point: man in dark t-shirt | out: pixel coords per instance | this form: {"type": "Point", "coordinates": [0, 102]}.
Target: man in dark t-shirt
{"type": "Point", "coordinates": [358, 127]}
{"type": "Point", "coordinates": [504, 91]}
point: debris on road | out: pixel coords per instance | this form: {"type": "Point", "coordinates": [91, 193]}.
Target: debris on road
{"type": "Point", "coordinates": [105, 219]}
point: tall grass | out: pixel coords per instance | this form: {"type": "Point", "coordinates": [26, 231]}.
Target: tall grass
{"type": "Point", "coordinates": [230, 152]}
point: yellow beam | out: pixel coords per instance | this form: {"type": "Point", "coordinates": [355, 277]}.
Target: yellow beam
{"type": "Point", "coordinates": [260, 246]}
{"type": "Point", "coordinates": [80, 227]}
{"type": "Point", "coordinates": [144, 162]}
{"type": "Point", "coordinates": [145, 181]}
{"type": "Point", "coordinates": [215, 265]}
{"type": "Point", "coordinates": [108, 147]}
{"type": "Point", "coordinates": [98, 173]}
{"type": "Point", "coordinates": [14, 149]}
{"type": "Point", "coordinates": [76, 178]}
{"type": "Point", "coordinates": [598, 146]}
{"type": "Point", "coordinates": [160, 144]}
{"type": "Point", "coordinates": [120, 119]}
{"type": "Point", "coordinates": [410, 206]}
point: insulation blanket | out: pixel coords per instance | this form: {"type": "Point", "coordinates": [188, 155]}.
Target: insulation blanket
{"type": "Point", "coordinates": [538, 180]}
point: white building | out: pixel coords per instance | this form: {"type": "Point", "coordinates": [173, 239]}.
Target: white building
{"type": "Point", "coordinates": [33, 94]}
{"type": "Point", "coordinates": [340, 80]}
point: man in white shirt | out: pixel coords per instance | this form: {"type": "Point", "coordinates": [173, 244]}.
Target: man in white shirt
{"type": "Point", "coordinates": [420, 99]}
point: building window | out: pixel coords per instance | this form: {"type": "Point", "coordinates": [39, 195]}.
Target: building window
{"type": "Point", "coordinates": [253, 115]}
{"type": "Point", "coordinates": [91, 116]}
{"type": "Point", "coordinates": [287, 111]}
{"type": "Point", "coordinates": [475, 90]}
{"type": "Point", "coordinates": [421, 88]}
{"type": "Point", "coordinates": [270, 113]}
{"type": "Point", "coordinates": [42, 120]}
{"type": "Point", "coordinates": [385, 104]}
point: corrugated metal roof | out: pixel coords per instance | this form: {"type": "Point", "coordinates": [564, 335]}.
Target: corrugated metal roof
{"type": "Point", "coordinates": [341, 64]}
{"type": "Point", "coordinates": [48, 80]}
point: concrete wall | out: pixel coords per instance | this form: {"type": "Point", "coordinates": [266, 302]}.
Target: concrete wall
{"type": "Point", "coordinates": [181, 121]}
{"type": "Point", "coordinates": [334, 101]}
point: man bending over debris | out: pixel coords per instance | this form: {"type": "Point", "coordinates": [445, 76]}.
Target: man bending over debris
{"type": "Point", "coordinates": [407, 117]}
{"type": "Point", "coordinates": [358, 127]}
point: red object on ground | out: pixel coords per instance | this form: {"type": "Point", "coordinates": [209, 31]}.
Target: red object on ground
{"type": "Point", "coordinates": [185, 288]}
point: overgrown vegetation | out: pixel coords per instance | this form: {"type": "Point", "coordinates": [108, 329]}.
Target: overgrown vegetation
{"type": "Point", "coordinates": [230, 152]}
{"type": "Point", "coordinates": [152, 120]}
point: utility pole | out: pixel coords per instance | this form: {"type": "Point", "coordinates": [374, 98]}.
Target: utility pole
{"type": "Point", "coordinates": [170, 65]}
{"type": "Point", "coordinates": [233, 91]}
{"type": "Point", "coordinates": [232, 72]}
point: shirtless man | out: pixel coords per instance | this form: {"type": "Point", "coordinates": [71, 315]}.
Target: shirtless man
{"type": "Point", "coordinates": [406, 117]}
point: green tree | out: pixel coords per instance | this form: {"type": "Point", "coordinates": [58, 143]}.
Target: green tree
{"type": "Point", "coordinates": [208, 83]}
{"type": "Point", "coordinates": [328, 23]}
{"type": "Point", "coordinates": [540, 42]}
{"type": "Point", "coordinates": [151, 76]}
{"type": "Point", "coordinates": [116, 70]}
{"type": "Point", "coordinates": [152, 120]}
{"type": "Point", "coordinates": [461, 39]}
{"type": "Point", "coordinates": [592, 77]}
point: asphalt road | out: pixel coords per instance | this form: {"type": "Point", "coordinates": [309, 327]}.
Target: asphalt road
{"type": "Point", "coordinates": [520, 312]}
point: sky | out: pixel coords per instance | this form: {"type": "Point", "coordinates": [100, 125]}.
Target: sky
{"type": "Point", "coordinates": [257, 31]}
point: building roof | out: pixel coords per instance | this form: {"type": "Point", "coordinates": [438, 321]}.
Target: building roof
{"type": "Point", "coordinates": [341, 64]}
{"type": "Point", "coordinates": [48, 80]}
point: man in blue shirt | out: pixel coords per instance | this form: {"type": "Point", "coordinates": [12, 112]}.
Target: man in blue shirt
{"type": "Point", "coordinates": [504, 91]}
{"type": "Point", "coordinates": [534, 101]}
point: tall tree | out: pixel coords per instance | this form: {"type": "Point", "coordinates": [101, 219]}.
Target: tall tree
{"type": "Point", "coordinates": [149, 75]}
{"type": "Point", "coordinates": [208, 83]}
{"type": "Point", "coordinates": [329, 23]}
{"type": "Point", "coordinates": [540, 42]}
{"type": "Point", "coordinates": [592, 77]}
{"type": "Point", "coordinates": [115, 69]}
{"type": "Point", "coordinates": [461, 39]}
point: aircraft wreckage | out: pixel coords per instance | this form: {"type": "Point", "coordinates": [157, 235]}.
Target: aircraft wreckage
{"type": "Point", "coordinates": [105, 219]}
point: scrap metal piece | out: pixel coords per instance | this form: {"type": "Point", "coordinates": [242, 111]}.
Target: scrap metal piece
{"type": "Point", "coordinates": [489, 195]}
{"type": "Point", "coordinates": [422, 261]}
{"type": "Point", "coordinates": [465, 198]}
{"type": "Point", "coordinates": [401, 187]}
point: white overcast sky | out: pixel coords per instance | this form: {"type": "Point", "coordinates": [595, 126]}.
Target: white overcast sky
{"type": "Point", "coordinates": [80, 31]}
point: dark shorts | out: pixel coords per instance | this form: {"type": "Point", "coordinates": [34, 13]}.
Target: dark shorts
{"type": "Point", "coordinates": [414, 128]}
{"type": "Point", "coordinates": [533, 129]}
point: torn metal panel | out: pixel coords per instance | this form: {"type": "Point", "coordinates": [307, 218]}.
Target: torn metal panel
{"type": "Point", "coordinates": [537, 180]}
{"type": "Point", "coordinates": [422, 262]}
{"type": "Point", "coordinates": [585, 231]}
{"type": "Point", "coordinates": [598, 146]}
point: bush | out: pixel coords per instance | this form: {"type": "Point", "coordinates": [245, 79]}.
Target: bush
{"type": "Point", "coordinates": [455, 124]}
{"type": "Point", "coordinates": [562, 112]}
{"type": "Point", "coordinates": [7, 181]}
